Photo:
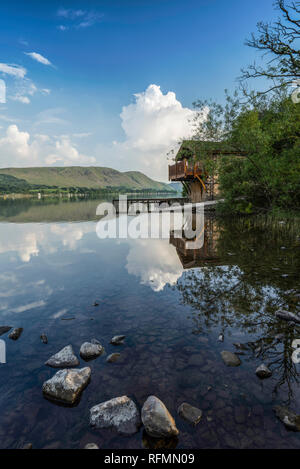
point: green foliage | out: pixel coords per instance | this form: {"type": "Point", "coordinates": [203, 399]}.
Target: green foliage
{"type": "Point", "coordinates": [266, 132]}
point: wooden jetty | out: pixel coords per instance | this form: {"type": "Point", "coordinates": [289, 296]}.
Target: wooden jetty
{"type": "Point", "coordinates": [146, 204]}
{"type": "Point", "coordinates": [136, 206]}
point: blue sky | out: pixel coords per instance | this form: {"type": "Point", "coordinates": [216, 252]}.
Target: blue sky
{"type": "Point", "coordinates": [64, 106]}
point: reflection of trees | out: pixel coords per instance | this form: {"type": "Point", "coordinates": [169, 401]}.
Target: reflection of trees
{"type": "Point", "coordinates": [249, 287]}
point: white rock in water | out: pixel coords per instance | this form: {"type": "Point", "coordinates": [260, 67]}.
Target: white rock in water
{"type": "Point", "coordinates": [89, 350]}
{"type": "Point", "coordinates": [120, 413]}
{"type": "Point", "coordinates": [263, 372]}
{"type": "Point", "coordinates": [157, 420]}
{"type": "Point", "coordinates": [15, 334]}
{"type": "Point", "coordinates": [64, 358]}
{"type": "Point", "coordinates": [91, 446]}
{"type": "Point", "coordinates": [117, 340]}
{"type": "Point", "coordinates": [67, 385]}
{"type": "Point", "coordinates": [288, 418]}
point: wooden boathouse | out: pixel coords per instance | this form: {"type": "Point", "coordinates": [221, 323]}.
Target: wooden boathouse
{"type": "Point", "coordinates": [196, 168]}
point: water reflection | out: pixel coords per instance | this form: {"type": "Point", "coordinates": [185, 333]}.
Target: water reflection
{"type": "Point", "coordinates": [172, 302]}
{"type": "Point", "coordinates": [240, 287]}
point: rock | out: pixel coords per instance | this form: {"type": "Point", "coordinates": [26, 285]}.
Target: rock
{"type": "Point", "coordinates": [44, 339]}
{"type": "Point", "coordinates": [196, 360]}
{"type": "Point", "coordinates": [112, 358]}
{"type": "Point", "coordinates": [117, 340]}
{"type": "Point", "coordinates": [27, 446]}
{"type": "Point", "coordinates": [4, 329]}
{"type": "Point", "coordinates": [95, 341]}
{"type": "Point", "coordinates": [15, 333]}
{"type": "Point", "coordinates": [230, 359]}
{"type": "Point", "coordinates": [64, 358]}
{"type": "Point", "coordinates": [288, 418]}
{"type": "Point", "coordinates": [89, 350]}
{"type": "Point", "coordinates": [120, 413]}
{"type": "Point", "coordinates": [67, 385]}
{"type": "Point", "coordinates": [240, 414]}
{"type": "Point", "coordinates": [157, 420]}
{"type": "Point", "coordinates": [263, 372]}
{"type": "Point", "coordinates": [240, 346]}
{"type": "Point", "coordinates": [91, 446]}
{"type": "Point", "coordinates": [189, 413]}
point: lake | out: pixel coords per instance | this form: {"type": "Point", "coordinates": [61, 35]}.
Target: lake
{"type": "Point", "coordinates": [171, 303]}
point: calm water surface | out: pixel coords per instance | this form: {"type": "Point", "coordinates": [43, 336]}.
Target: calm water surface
{"type": "Point", "coordinates": [171, 303]}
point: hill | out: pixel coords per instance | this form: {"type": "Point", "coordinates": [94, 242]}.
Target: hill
{"type": "Point", "coordinates": [93, 178]}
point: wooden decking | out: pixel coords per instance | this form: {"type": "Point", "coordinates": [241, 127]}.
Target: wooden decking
{"type": "Point", "coordinates": [147, 204]}
{"type": "Point", "coordinates": [162, 205]}
{"type": "Point", "coordinates": [185, 170]}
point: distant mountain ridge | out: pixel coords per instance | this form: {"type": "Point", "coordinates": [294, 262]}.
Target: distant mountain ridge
{"type": "Point", "coordinates": [95, 178]}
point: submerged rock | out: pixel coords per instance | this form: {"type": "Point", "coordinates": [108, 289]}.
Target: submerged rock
{"type": "Point", "coordinates": [91, 446]}
{"type": "Point", "coordinates": [120, 413]}
{"type": "Point", "coordinates": [157, 420]}
{"type": "Point", "coordinates": [66, 385]}
{"type": "Point", "coordinates": [63, 358]}
{"type": "Point", "coordinates": [95, 341]}
{"type": "Point", "coordinates": [4, 329]}
{"type": "Point", "coordinates": [117, 340]}
{"type": "Point", "coordinates": [27, 446]}
{"type": "Point", "coordinates": [263, 372]}
{"type": "Point", "coordinates": [15, 333]}
{"type": "Point", "coordinates": [288, 418]}
{"type": "Point", "coordinates": [240, 346]}
{"type": "Point", "coordinates": [189, 413]}
{"type": "Point", "coordinates": [196, 360]}
{"type": "Point", "coordinates": [230, 359]}
{"type": "Point", "coordinates": [44, 339]}
{"type": "Point", "coordinates": [113, 357]}
{"type": "Point", "coordinates": [89, 350]}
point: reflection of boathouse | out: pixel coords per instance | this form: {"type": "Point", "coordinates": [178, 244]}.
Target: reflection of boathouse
{"type": "Point", "coordinates": [200, 181]}
{"type": "Point", "coordinates": [189, 253]}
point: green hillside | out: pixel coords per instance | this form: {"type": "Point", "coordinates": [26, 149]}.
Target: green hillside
{"type": "Point", "coordinates": [96, 178]}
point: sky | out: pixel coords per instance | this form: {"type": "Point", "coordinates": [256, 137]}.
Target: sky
{"type": "Point", "coordinates": [112, 82]}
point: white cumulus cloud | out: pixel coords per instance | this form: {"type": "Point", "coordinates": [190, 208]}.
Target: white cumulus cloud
{"type": "Point", "coordinates": [14, 70]}
{"type": "Point", "coordinates": [21, 99]}
{"type": "Point", "coordinates": [65, 153]}
{"type": "Point", "coordinates": [18, 148]}
{"type": "Point", "coordinates": [38, 57]}
{"type": "Point", "coordinates": [155, 120]}
{"type": "Point", "coordinates": [153, 124]}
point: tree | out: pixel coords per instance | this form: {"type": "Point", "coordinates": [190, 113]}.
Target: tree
{"type": "Point", "coordinates": [265, 133]}
{"type": "Point", "coordinates": [281, 41]}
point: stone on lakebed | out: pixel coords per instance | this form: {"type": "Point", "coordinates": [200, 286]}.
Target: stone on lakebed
{"type": "Point", "coordinates": [117, 340]}
{"type": "Point", "coordinates": [288, 418]}
{"type": "Point", "coordinates": [230, 359]}
{"type": "Point", "coordinates": [67, 385]}
{"type": "Point", "coordinates": [263, 372]}
{"type": "Point", "coordinates": [119, 413]}
{"type": "Point", "coordinates": [157, 420]}
{"type": "Point", "coordinates": [15, 333]}
{"type": "Point", "coordinates": [4, 329]}
{"type": "Point", "coordinates": [89, 350]}
{"type": "Point", "coordinates": [63, 358]}
{"type": "Point", "coordinates": [189, 413]}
